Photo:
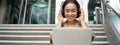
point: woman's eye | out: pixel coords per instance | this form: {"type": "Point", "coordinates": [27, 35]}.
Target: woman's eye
{"type": "Point", "coordinates": [67, 11]}
{"type": "Point", "coordinates": [73, 11]}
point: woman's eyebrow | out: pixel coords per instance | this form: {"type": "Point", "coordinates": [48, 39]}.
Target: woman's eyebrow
{"type": "Point", "coordinates": [66, 9]}
{"type": "Point", "coordinates": [74, 9]}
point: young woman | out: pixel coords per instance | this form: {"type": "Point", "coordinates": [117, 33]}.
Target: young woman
{"type": "Point", "coordinates": [71, 10]}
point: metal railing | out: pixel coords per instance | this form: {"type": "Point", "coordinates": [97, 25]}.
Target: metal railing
{"type": "Point", "coordinates": [112, 19]}
{"type": "Point", "coordinates": [108, 6]}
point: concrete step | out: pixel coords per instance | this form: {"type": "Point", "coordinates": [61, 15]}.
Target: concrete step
{"type": "Point", "coordinates": [18, 42]}
{"type": "Point", "coordinates": [99, 31]}
{"type": "Point", "coordinates": [24, 29]}
{"type": "Point", "coordinates": [100, 43]}
{"type": "Point", "coordinates": [24, 43]}
{"type": "Point", "coordinates": [24, 37]}
{"type": "Point", "coordinates": [100, 36]}
{"type": "Point", "coordinates": [103, 39]}
{"type": "Point", "coordinates": [25, 32]}
{"type": "Point", "coordinates": [95, 25]}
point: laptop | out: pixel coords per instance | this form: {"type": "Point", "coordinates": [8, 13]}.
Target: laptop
{"type": "Point", "coordinates": [72, 36]}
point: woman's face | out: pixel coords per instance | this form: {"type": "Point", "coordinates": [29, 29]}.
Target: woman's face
{"type": "Point", "coordinates": [70, 11]}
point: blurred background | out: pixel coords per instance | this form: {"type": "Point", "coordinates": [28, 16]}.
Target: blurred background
{"type": "Point", "coordinates": [43, 11]}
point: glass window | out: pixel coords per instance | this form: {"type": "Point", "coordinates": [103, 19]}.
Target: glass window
{"type": "Point", "coordinates": [29, 12]}
{"type": "Point", "coordinates": [12, 12]}
{"type": "Point", "coordinates": [91, 8]}
{"type": "Point", "coordinates": [37, 12]}
{"type": "Point", "coordinates": [52, 15]}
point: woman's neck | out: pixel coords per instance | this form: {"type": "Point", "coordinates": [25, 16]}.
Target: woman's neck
{"type": "Point", "coordinates": [71, 23]}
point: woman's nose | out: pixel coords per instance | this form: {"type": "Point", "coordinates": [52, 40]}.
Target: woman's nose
{"type": "Point", "coordinates": [70, 13]}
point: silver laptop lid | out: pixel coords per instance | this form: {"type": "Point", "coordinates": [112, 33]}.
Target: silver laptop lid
{"type": "Point", "coordinates": [72, 36]}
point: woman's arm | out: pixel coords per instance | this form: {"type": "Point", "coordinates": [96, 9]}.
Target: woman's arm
{"type": "Point", "coordinates": [59, 24]}
{"type": "Point", "coordinates": [83, 24]}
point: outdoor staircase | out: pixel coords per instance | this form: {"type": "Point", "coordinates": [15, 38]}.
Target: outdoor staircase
{"type": "Point", "coordinates": [100, 37]}
{"type": "Point", "coordinates": [39, 35]}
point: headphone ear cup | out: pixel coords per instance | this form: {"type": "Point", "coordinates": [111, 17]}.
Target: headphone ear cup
{"type": "Point", "coordinates": [78, 14]}
{"type": "Point", "coordinates": [63, 14]}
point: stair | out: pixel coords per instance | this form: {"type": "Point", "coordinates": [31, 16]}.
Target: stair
{"type": "Point", "coordinates": [37, 35]}
{"type": "Point", "coordinates": [24, 35]}
{"type": "Point", "coordinates": [100, 37]}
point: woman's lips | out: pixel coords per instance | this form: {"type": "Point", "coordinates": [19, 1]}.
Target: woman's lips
{"type": "Point", "coordinates": [69, 17]}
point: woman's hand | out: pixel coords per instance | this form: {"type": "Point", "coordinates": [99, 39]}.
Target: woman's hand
{"type": "Point", "coordinates": [81, 18]}
{"type": "Point", "coordinates": [82, 21]}
{"type": "Point", "coordinates": [60, 19]}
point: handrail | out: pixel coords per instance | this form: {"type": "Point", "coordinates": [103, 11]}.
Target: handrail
{"type": "Point", "coordinates": [107, 5]}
